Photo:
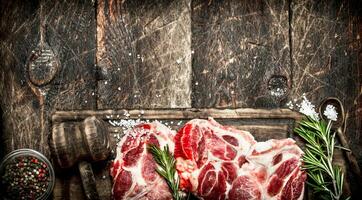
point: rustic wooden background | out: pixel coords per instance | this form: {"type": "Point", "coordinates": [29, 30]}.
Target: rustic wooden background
{"type": "Point", "coordinates": [153, 54]}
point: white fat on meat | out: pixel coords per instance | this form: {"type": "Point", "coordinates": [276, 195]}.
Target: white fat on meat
{"type": "Point", "coordinates": [135, 142]}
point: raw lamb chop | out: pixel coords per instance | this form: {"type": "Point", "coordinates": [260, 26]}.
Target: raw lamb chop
{"type": "Point", "coordinates": [280, 176]}
{"type": "Point", "coordinates": [208, 157]}
{"type": "Point", "coordinates": [133, 170]}
{"type": "Point", "coordinates": [217, 162]}
{"type": "Point", "coordinates": [281, 159]}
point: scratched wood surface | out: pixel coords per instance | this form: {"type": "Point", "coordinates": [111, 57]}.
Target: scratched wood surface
{"type": "Point", "coordinates": [326, 46]}
{"type": "Point", "coordinates": [69, 30]}
{"type": "Point", "coordinates": [241, 53]}
{"type": "Point", "coordinates": [144, 53]}
{"type": "Point", "coordinates": [175, 54]}
{"type": "Point", "coordinates": [16, 45]}
{"type": "Point", "coordinates": [75, 51]}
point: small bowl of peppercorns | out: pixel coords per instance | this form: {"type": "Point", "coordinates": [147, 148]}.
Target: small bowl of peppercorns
{"type": "Point", "coordinates": [26, 174]}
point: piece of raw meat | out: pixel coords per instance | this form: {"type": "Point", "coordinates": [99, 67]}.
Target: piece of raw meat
{"type": "Point", "coordinates": [208, 157]}
{"type": "Point", "coordinates": [218, 162]}
{"type": "Point", "coordinates": [281, 159]}
{"type": "Point", "coordinates": [213, 162]}
{"type": "Point", "coordinates": [133, 170]}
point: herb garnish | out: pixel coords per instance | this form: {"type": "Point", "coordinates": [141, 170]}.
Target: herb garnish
{"type": "Point", "coordinates": [326, 178]}
{"type": "Point", "coordinates": [166, 168]}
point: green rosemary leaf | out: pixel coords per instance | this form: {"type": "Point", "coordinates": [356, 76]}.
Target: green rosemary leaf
{"type": "Point", "coordinates": [325, 178]}
{"type": "Point", "coordinates": [166, 168]}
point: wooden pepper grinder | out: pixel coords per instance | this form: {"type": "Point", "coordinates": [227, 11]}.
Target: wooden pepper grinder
{"type": "Point", "coordinates": [81, 144]}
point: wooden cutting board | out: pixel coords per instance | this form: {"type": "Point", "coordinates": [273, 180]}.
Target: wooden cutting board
{"type": "Point", "coordinates": [264, 124]}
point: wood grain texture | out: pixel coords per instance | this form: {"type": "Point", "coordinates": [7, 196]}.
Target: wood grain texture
{"type": "Point", "coordinates": [358, 111]}
{"type": "Point", "coordinates": [144, 54]}
{"type": "Point", "coordinates": [27, 106]}
{"type": "Point", "coordinates": [240, 113]}
{"type": "Point", "coordinates": [241, 53]}
{"type": "Point", "coordinates": [71, 32]}
{"type": "Point", "coordinates": [20, 107]}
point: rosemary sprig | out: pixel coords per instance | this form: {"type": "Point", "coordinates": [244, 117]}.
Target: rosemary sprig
{"type": "Point", "coordinates": [166, 168]}
{"type": "Point", "coordinates": [326, 179]}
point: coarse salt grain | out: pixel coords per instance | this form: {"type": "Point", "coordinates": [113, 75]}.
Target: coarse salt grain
{"type": "Point", "coordinates": [330, 112]}
{"type": "Point", "coordinates": [277, 92]}
{"type": "Point", "coordinates": [307, 108]}
{"type": "Point", "coordinates": [290, 105]}
{"type": "Point", "coordinates": [129, 123]}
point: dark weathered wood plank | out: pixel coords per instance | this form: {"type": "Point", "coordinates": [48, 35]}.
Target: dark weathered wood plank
{"type": "Point", "coordinates": [358, 111]}
{"type": "Point", "coordinates": [71, 32]}
{"type": "Point", "coordinates": [20, 107]}
{"type": "Point", "coordinates": [326, 45]}
{"type": "Point", "coordinates": [241, 53]}
{"type": "Point", "coordinates": [66, 28]}
{"type": "Point", "coordinates": [144, 53]}
{"type": "Point", "coordinates": [240, 113]}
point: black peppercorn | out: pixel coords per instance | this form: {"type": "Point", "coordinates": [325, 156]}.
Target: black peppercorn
{"type": "Point", "coordinates": [25, 177]}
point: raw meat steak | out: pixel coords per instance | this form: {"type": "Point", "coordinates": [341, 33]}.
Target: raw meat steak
{"type": "Point", "coordinates": [218, 162]}
{"type": "Point", "coordinates": [209, 155]}
{"type": "Point", "coordinates": [133, 170]}
{"type": "Point", "coordinates": [281, 159]}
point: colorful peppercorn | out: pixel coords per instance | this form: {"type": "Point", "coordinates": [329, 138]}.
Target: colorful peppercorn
{"type": "Point", "coordinates": [25, 177]}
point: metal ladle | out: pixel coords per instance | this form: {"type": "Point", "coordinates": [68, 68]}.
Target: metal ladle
{"type": "Point", "coordinates": [340, 127]}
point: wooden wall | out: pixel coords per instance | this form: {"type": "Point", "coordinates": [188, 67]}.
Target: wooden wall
{"type": "Point", "coordinates": [175, 54]}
